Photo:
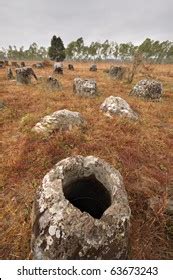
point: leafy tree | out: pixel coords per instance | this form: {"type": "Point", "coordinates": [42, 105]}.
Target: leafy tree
{"type": "Point", "coordinates": [2, 54]}
{"type": "Point", "coordinates": [57, 50]}
{"type": "Point", "coordinates": [105, 49]}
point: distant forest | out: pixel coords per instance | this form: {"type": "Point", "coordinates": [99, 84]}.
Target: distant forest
{"type": "Point", "coordinates": [153, 51]}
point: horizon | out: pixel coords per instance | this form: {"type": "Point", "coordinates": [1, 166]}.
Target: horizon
{"type": "Point", "coordinates": [23, 22]}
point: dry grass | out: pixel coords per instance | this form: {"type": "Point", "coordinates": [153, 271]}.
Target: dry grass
{"type": "Point", "coordinates": [141, 151]}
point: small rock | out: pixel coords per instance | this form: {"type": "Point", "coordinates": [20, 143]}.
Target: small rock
{"type": "Point", "coordinates": [114, 105]}
{"type": "Point", "coordinates": [70, 67]}
{"type": "Point", "coordinates": [39, 65]}
{"type": "Point", "coordinates": [93, 68]}
{"type": "Point", "coordinates": [59, 120]}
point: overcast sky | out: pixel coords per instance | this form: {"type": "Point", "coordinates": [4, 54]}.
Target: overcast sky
{"type": "Point", "coordinates": [23, 22]}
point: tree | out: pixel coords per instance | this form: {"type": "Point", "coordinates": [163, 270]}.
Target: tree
{"type": "Point", "coordinates": [57, 50]}
{"type": "Point", "coordinates": [2, 54]}
{"type": "Point", "coordinates": [105, 49]}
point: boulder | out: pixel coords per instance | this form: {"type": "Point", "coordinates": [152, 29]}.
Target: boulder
{"type": "Point", "coordinates": [85, 87]}
{"type": "Point", "coordinates": [149, 89]}
{"type": "Point", "coordinates": [117, 72]}
{"type": "Point", "coordinates": [60, 120]}
{"type": "Point", "coordinates": [114, 105]}
{"type": "Point", "coordinates": [81, 211]}
{"type": "Point", "coordinates": [24, 75]}
{"type": "Point", "coordinates": [93, 68]}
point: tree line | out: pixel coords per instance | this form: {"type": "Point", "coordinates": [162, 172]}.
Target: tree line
{"type": "Point", "coordinates": [151, 50]}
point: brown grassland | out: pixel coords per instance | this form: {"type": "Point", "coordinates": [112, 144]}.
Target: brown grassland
{"type": "Point", "coordinates": [140, 150]}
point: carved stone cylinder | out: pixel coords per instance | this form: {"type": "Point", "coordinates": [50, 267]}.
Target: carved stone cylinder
{"type": "Point", "coordinates": [81, 211]}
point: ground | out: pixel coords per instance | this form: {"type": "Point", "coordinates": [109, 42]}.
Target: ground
{"type": "Point", "coordinates": [140, 150]}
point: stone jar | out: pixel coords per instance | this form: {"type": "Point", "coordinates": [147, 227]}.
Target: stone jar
{"type": "Point", "coordinates": [81, 211]}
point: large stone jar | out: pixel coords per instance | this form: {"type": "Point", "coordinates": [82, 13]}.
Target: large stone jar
{"type": "Point", "coordinates": [81, 211]}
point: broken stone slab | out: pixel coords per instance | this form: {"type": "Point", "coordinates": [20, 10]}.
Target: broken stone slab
{"type": "Point", "coordinates": [148, 89]}
{"type": "Point", "coordinates": [81, 211]}
{"type": "Point", "coordinates": [115, 105]}
{"type": "Point", "coordinates": [85, 87]}
{"type": "Point", "coordinates": [60, 120]}
{"type": "Point", "coordinates": [93, 68]}
{"type": "Point", "coordinates": [24, 75]}
{"type": "Point", "coordinates": [117, 72]}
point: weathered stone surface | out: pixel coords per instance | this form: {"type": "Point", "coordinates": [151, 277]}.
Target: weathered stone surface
{"type": "Point", "coordinates": [24, 75]}
{"type": "Point", "coordinates": [53, 83]}
{"type": "Point", "coordinates": [149, 89]}
{"type": "Point", "coordinates": [81, 211]}
{"type": "Point", "coordinates": [85, 87]}
{"type": "Point", "coordinates": [117, 72]}
{"type": "Point", "coordinates": [114, 105]}
{"type": "Point", "coordinates": [10, 74]}
{"type": "Point", "coordinates": [93, 68]}
{"type": "Point", "coordinates": [70, 67]}
{"type": "Point", "coordinates": [59, 120]}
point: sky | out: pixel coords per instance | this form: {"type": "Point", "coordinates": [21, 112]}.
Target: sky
{"type": "Point", "coordinates": [23, 22]}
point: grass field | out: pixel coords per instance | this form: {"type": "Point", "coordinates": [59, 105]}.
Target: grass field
{"type": "Point", "coordinates": [141, 151]}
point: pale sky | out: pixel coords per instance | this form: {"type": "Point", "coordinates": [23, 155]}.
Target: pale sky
{"type": "Point", "coordinates": [23, 22]}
